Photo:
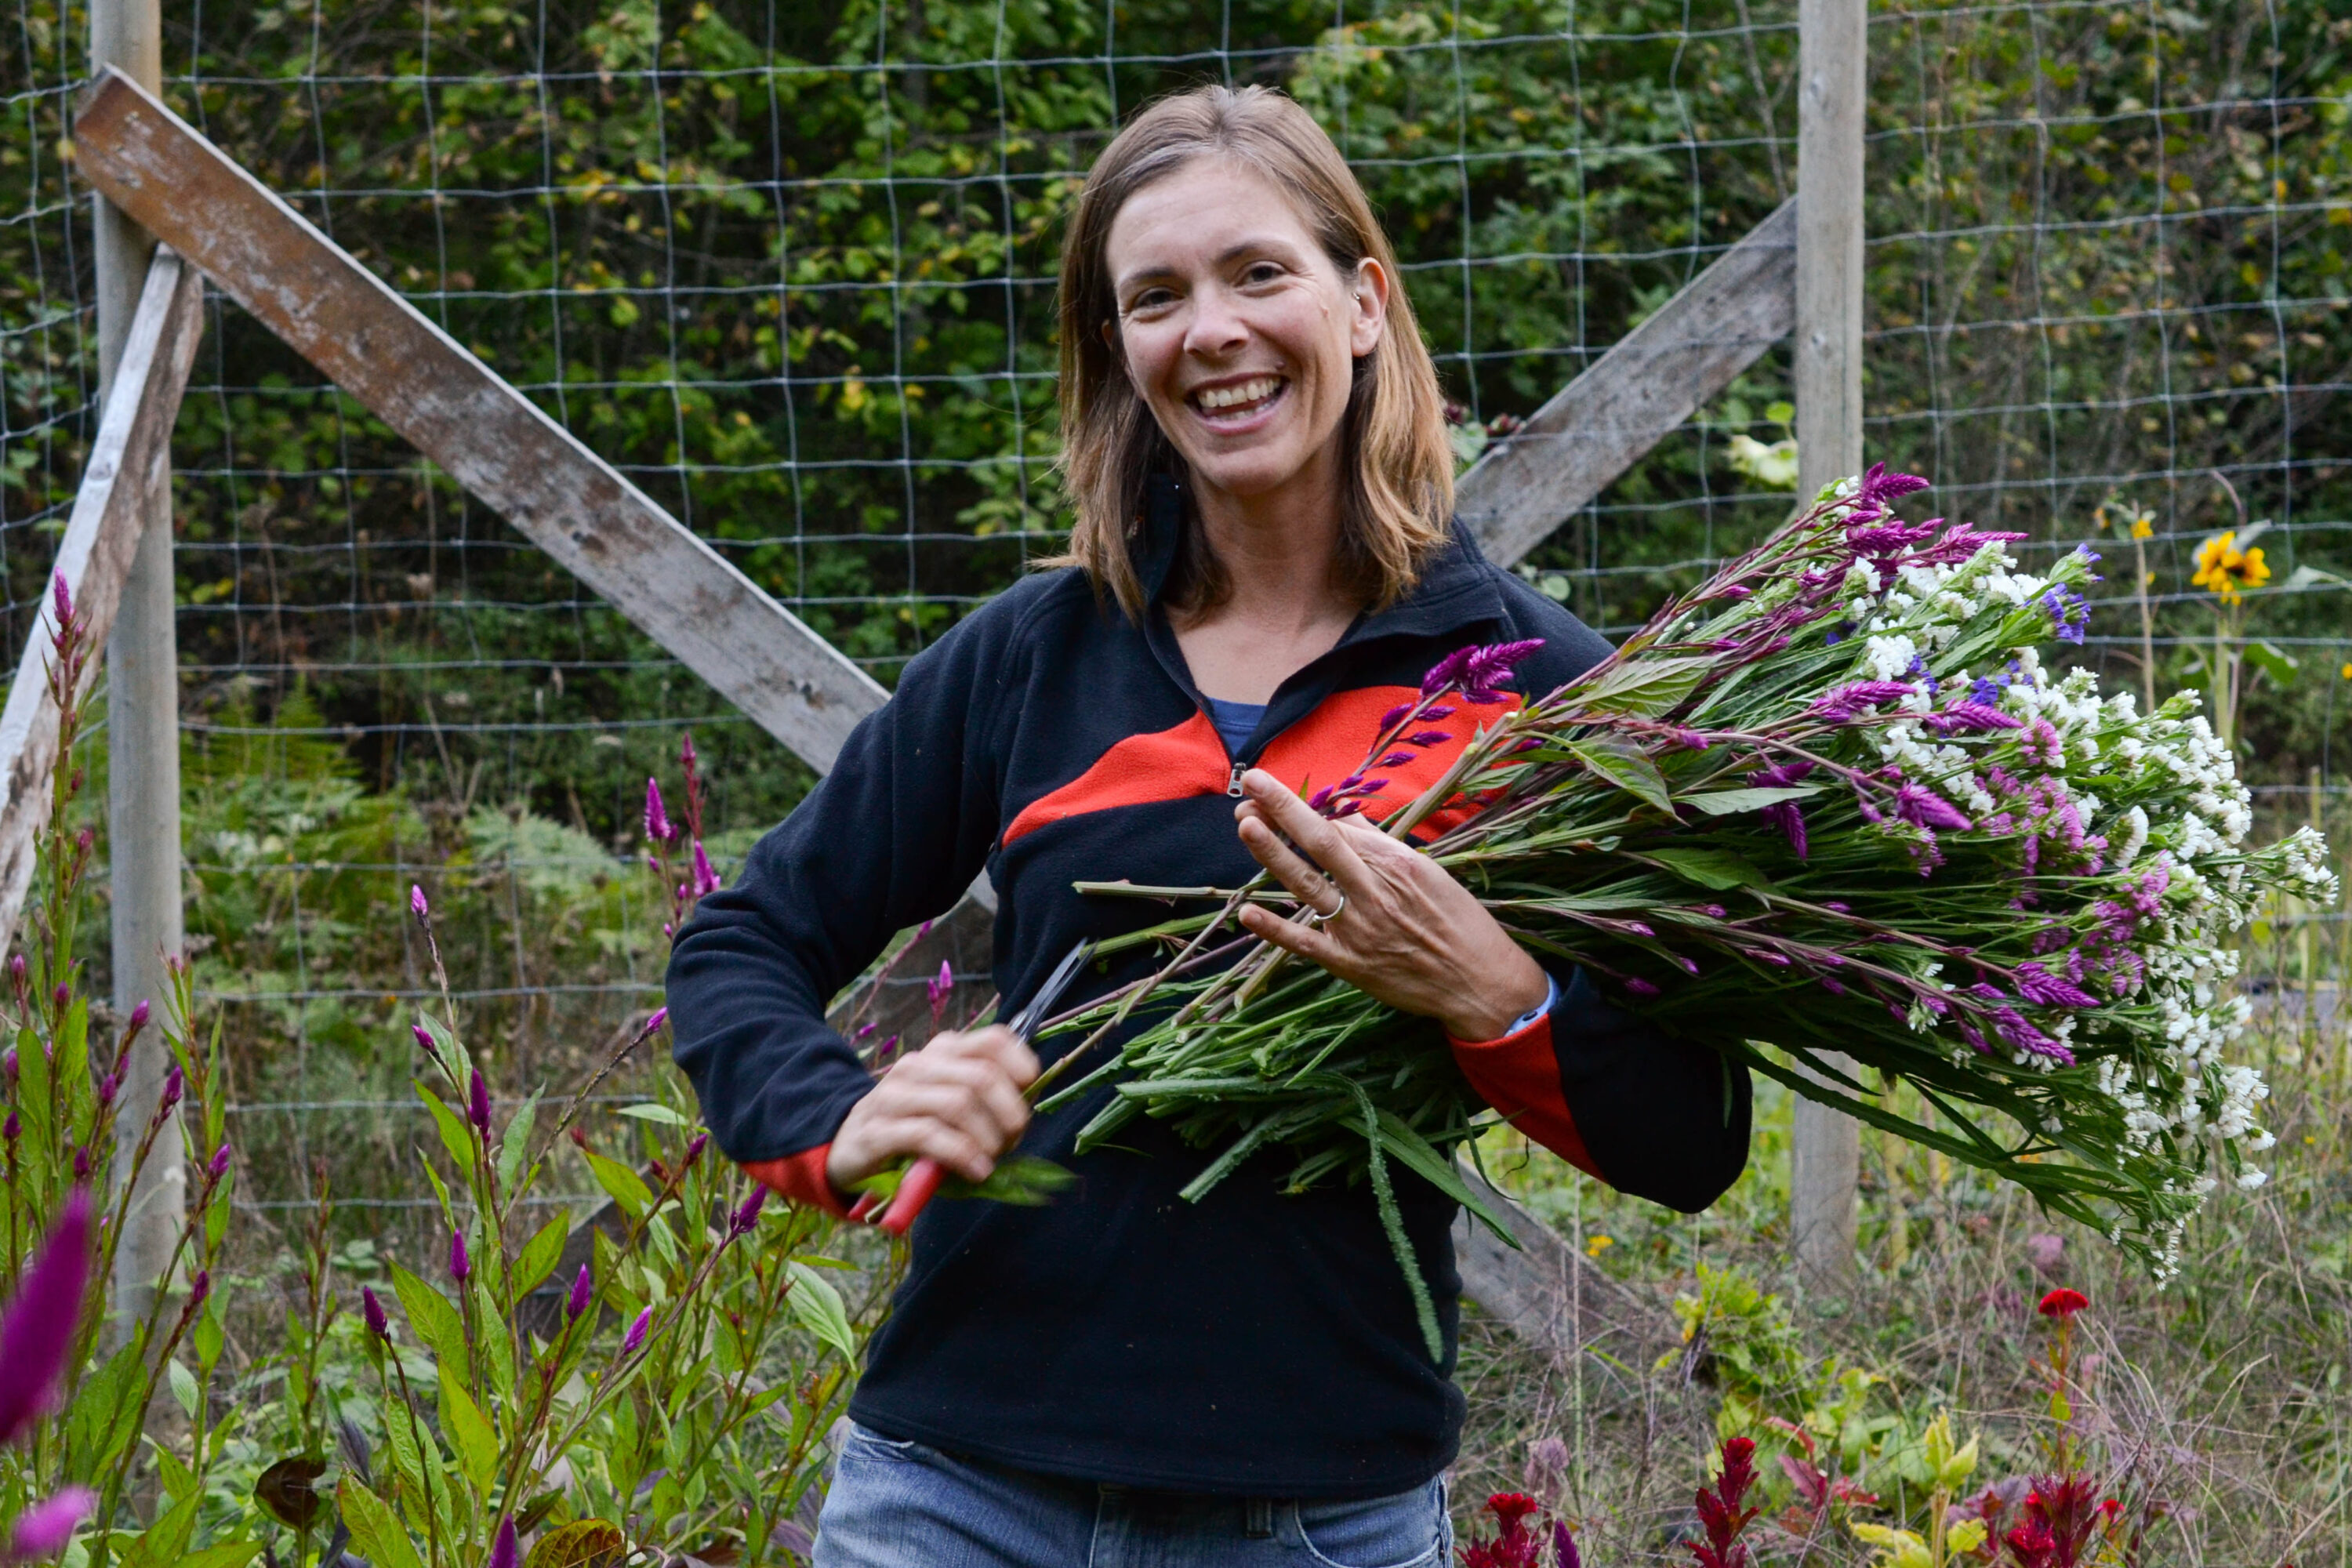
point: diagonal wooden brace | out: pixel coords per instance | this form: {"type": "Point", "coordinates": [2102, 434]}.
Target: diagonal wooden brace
{"type": "Point", "coordinates": [124, 483]}
{"type": "Point", "coordinates": [1640, 391]}
{"type": "Point", "coordinates": [456, 410]}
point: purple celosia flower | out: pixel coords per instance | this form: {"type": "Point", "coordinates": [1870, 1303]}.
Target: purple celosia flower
{"type": "Point", "coordinates": [139, 1014]}
{"type": "Point", "coordinates": [424, 1038]}
{"type": "Point", "coordinates": [706, 880]}
{"type": "Point", "coordinates": [198, 1288]}
{"type": "Point", "coordinates": [64, 596]}
{"type": "Point", "coordinates": [1713, 911]}
{"type": "Point", "coordinates": [1878, 485]}
{"type": "Point", "coordinates": [1563, 1547]}
{"type": "Point", "coordinates": [657, 824]}
{"type": "Point", "coordinates": [38, 1325]}
{"type": "Point", "coordinates": [1971, 718]}
{"type": "Point", "coordinates": [694, 1147]}
{"type": "Point", "coordinates": [108, 1088]}
{"type": "Point", "coordinates": [1923, 806]}
{"type": "Point", "coordinates": [505, 1552]}
{"type": "Point", "coordinates": [372, 1309]}
{"type": "Point", "coordinates": [1429, 737]}
{"type": "Point", "coordinates": [1394, 760]}
{"type": "Point", "coordinates": [1784, 814]}
{"type": "Point", "coordinates": [2014, 1027]}
{"type": "Point", "coordinates": [938, 989]}
{"type": "Point", "coordinates": [10, 1128]}
{"type": "Point", "coordinates": [1638, 927]}
{"type": "Point", "coordinates": [219, 1165]}
{"type": "Point", "coordinates": [654, 1024]}
{"type": "Point", "coordinates": [1395, 716]}
{"type": "Point", "coordinates": [1639, 987]}
{"type": "Point", "coordinates": [1842, 703]}
{"type": "Point", "coordinates": [748, 1215]}
{"type": "Point", "coordinates": [584, 1290]}
{"type": "Point", "coordinates": [478, 1102]}
{"type": "Point", "coordinates": [44, 1529]}
{"type": "Point", "coordinates": [416, 904]}
{"type": "Point", "coordinates": [1447, 671]}
{"type": "Point", "coordinates": [80, 1164]}
{"type": "Point", "coordinates": [174, 1082]}
{"type": "Point", "coordinates": [633, 1341]}
{"type": "Point", "coordinates": [2036, 984]}
{"type": "Point", "coordinates": [461, 1267]}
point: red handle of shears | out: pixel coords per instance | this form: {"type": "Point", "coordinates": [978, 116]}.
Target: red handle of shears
{"type": "Point", "coordinates": [914, 1189]}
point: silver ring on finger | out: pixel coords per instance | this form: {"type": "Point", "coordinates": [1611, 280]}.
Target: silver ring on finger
{"type": "Point", "coordinates": [1318, 918]}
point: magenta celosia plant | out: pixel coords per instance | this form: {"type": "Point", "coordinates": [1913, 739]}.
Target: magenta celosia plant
{"type": "Point", "coordinates": [1521, 1533]}
{"type": "Point", "coordinates": [78, 1368]}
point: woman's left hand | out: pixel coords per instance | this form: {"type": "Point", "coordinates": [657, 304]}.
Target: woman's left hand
{"type": "Point", "coordinates": [1398, 926]}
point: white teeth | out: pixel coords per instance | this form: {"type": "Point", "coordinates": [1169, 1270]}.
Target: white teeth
{"type": "Point", "coordinates": [1234, 396]}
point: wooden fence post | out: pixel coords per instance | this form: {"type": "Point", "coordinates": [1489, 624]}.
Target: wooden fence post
{"type": "Point", "coordinates": [1832, 51]}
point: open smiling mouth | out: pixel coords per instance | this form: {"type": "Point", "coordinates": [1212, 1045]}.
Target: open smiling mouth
{"type": "Point", "coordinates": [1240, 400]}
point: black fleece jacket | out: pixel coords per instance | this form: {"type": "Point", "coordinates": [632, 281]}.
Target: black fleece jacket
{"type": "Point", "coordinates": [1255, 1342]}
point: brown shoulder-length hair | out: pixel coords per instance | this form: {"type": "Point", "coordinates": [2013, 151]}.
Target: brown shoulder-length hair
{"type": "Point", "coordinates": [1398, 466]}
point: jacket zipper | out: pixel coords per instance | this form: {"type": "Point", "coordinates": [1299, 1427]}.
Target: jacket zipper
{"type": "Point", "coordinates": [1233, 780]}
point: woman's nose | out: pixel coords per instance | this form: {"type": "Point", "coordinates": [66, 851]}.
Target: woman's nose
{"type": "Point", "coordinates": [1216, 328]}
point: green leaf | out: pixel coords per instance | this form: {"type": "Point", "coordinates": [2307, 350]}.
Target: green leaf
{"type": "Point", "coordinates": [1626, 768]}
{"type": "Point", "coordinates": [469, 1432]}
{"type": "Point", "coordinates": [1719, 869]}
{"type": "Point", "coordinates": [1645, 687]}
{"type": "Point", "coordinates": [653, 1111]}
{"type": "Point", "coordinates": [434, 1319]}
{"type": "Point", "coordinates": [1025, 1179]}
{"type": "Point", "coordinates": [184, 1386]}
{"type": "Point", "coordinates": [540, 1255]}
{"type": "Point", "coordinates": [178, 1480]}
{"type": "Point", "coordinates": [225, 1554]}
{"type": "Point", "coordinates": [375, 1531]}
{"type": "Point", "coordinates": [2272, 660]}
{"type": "Point", "coordinates": [105, 1413]}
{"type": "Point", "coordinates": [457, 1137]}
{"type": "Point", "coordinates": [625, 1187]}
{"type": "Point", "coordinates": [817, 1305]}
{"type": "Point", "coordinates": [517, 1142]}
{"type": "Point", "coordinates": [166, 1540]}
{"type": "Point", "coordinates": [1731, 802]}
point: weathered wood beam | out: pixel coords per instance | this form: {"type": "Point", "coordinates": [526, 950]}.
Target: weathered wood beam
{"type": "Point", "coordinates": [1642, 390]}
{"type": "Point", "coordinates": [129, 465]}
{"type": "Point", "coordinates": [1548, 1296]}
{"type": "Point", "coordinates": [456, 410]}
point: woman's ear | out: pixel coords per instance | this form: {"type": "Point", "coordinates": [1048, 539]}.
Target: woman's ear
{"type": "Point", "coordinates": [1372, 308]}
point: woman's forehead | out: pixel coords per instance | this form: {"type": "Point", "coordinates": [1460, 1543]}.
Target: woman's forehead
{"type": "Point", "coordinates": [1212, 210]}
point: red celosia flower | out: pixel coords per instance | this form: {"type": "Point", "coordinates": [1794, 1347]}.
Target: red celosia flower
{"type": "Point", "coordinates": [1723, 1512]}
{"type": "Point", "coordinates": [2063, 1302]}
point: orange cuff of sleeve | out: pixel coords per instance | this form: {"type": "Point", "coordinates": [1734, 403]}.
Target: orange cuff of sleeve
{"type": "Point", "coordinates": [1518, 1075]}
{"type": "Point", "coordinates": [801, 1179]}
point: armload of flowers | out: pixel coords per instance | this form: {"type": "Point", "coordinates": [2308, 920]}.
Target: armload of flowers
{"type": "Point", "coordinates": [1832, 802]}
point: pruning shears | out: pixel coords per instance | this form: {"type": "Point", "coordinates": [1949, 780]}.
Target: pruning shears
{"type": "Point", "coordinates": [922, 1179]}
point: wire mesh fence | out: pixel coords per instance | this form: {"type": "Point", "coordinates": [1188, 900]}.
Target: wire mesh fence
{"type": "Point", "coordinates": [791, 269]}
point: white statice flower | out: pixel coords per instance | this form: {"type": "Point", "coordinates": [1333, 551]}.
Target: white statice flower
{"type": "Point", "coordinates": [1890, 656]}
{"type": "Point", "coordinates": [2135, 836]}
{"type": "Point", "coordinates": [1861, 581]}
{"type": "Point", "coordinates": [2249, 1180]}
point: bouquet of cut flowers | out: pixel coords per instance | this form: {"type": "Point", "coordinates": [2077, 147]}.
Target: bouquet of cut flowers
{"type": "Point", "coordinates": [1827, 812]}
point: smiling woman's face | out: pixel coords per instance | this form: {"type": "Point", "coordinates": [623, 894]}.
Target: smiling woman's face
{"type": "Point", "coordinates": [1238, 332]}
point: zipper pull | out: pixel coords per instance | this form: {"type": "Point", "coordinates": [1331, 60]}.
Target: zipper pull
{"type": "Point", "coordinates": [1233, 782]}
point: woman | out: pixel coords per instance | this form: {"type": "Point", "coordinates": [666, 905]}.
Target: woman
{"type": "Point", "coordinates": [1263, 560]}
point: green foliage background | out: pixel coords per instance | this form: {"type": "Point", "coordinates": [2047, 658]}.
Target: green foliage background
{"type": "Point", "coordinates": [791, 267]}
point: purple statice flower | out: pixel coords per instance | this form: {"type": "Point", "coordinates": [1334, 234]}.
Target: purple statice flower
{"type": "Point", "coordinates": [461, 1267]}
{"type": "Point", "coordinates": [478, 1102]}
{"type": "Point", "coordinates": [635, 1340]}
{"type": "Point", "coordinates": [2036, 984]}
{"type": "Point", "coordinates": [37, 1326]}
{"type": "Point", "coordinates": [706, 880]}
{"type": "Point", "coordinates": [1924, 807]}
{"type": "Point", "coordinates": [1917, 671]}
{"type": "Point", "coordinates": [44, 1529]}
{"type": "Point", "coordinates": [1839, 632]}
{"type": "Point", "coordinates": [1985, 691]}
{"type": "Point", "coordinates": [506, 1551]}
{"type": "Point", "coordinates": [372, 1309]}
{"type": "Point", "coordinates": [584, 1290]}
{"type": "Point", "coordinates": [416, 904]}
{"type": "Point", "coordinates": [740, 1222]}
{"type": "Point", "coordinates": [938, 989]}
{"type": "Point", "coordinates": [658, 827]}
{"type": "Point", "coordinates": [2068, 614]}
{"type": "Point", "coordinates": [2014, 1027]}
{"type": "Point", "coordinates": [2041, 745]}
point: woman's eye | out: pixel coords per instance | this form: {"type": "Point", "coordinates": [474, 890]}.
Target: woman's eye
{"type": "Point", "coordinates": [1262, 272]}
{"type": "Point", "coordinates": [1150, 299]}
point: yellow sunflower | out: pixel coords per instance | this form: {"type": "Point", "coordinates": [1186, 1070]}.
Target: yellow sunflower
{"type": "Point", "coordinates": [2227, 570]}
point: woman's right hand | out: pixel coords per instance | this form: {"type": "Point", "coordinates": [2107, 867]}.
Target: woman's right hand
{"type": "Point", "coordinates": [957, 1100]}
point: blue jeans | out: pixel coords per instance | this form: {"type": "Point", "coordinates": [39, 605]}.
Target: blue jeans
{"type": "Point", "coordinates": [903, 1505]}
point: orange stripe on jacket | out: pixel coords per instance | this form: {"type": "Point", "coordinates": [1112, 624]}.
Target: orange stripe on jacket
{"type": "Point", "coordinates": [1321, 749]}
